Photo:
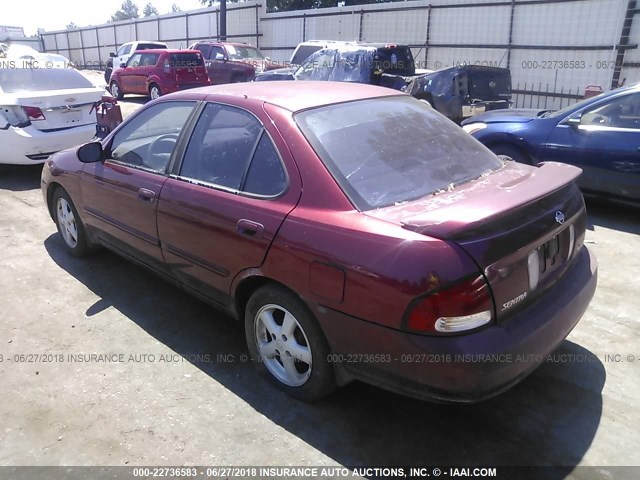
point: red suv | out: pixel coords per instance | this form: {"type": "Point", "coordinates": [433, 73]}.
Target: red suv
{"type": "Point", "coordinates": [232, 62]}
{"type": "Point", "coordinates": [156, 72]}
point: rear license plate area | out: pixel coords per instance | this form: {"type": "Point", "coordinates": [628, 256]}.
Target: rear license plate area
{"type": "Point", "coordinates": [71, 117]}
{"type": "Point", "coordinates": [549, 253]}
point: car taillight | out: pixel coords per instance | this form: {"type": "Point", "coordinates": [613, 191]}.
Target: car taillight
{"type": "Point", "coordinates": [464, 306]}
{"type": "Point", "coordinates": [34, 113]}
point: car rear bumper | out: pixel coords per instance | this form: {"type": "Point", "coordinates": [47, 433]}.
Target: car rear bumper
{"type": "Point", "coordinates": [28, 146]}
{"type": "Point", "coordinates": [463, 368]}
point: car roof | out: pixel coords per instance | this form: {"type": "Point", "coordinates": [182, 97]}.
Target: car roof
{"type": "Point", "coordinates": [167, 50]}
{"type": "Point", "coordinates": [153, 42]}
{"type": "Point", "coordinates": [295, 96]}
{"type": "Point", "coordinates": [214, 42]}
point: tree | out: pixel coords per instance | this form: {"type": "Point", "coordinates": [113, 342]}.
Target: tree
{"type": "Point", "coordinates": [72, 26]}
{"type": "Point", "coordinates": [128, 10]}
{"type": "Point", "coordinates": [175, 8]}
{"type": "Point", "coordinates": [150, 10]}
{"type": "Point", "coordinates": [287, 5]}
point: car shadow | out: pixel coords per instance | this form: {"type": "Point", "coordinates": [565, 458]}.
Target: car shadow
{"type": "Point", "coordinates": [614, 216]}
{"type": "Point", "coordinates": [548, 419]}
{"type": "Point", "coordinates": [19, 178]}
{"type": "Point", "coordinates": [137, 99]}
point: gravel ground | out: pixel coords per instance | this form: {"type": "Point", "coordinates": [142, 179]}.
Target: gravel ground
{"type": "Point", "coordinates": [168, 403]}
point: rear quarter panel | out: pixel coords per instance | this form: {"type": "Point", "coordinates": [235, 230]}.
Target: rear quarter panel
{"type": "Point", "coordinates": [383, 265]}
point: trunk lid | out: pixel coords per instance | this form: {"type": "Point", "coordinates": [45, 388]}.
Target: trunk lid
{"type": "Point", "coordinates": [522, 225]}
{"type": "Point", "coordinates": [61, 108]}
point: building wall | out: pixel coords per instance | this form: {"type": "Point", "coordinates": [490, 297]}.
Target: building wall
{"type": "Point", "coordinates": [554, 48]}
{"type": "Point", "coordinates": [15, 36]}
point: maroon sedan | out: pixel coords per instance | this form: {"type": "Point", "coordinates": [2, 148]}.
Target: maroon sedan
{"type": "Point", "coordinates": [358, 233]}
{"type": "Point", "coordinates": [157, 72]}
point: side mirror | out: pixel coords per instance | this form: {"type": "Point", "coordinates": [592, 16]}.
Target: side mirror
{"type": "Point", "coordinates": [574, 121]}
{"type": "Point", "coordinates": [123, 65]}
{"type": "Point", "coordinates": [112, 54]}
{"type": "Point", "coordinates": [90, 152]}
{"type": "Point", "coordinates": [219, 56]}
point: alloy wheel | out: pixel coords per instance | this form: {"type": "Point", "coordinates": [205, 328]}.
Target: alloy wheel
{"type": "Point", "coordinates": [283, 345]}
{"type": "Point", "coordinates": [67, 222]}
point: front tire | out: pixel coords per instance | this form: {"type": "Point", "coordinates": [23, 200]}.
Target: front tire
{"type": "Point", "coordinates": [512, 152]}
{"type": "Point", "coordinates": [287, 344]}
{"type": "Point", "coordinates": [70, 227]}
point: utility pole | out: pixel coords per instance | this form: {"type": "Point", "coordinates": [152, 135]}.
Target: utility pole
{"type": "Point", "coordinates": [223, 20]}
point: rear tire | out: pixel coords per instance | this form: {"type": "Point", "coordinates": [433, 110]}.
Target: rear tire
{"type": "Point", "coordinates": [115, 90]}
{"type": "Point", "coordinates": [154, 91]}
{"type": "Point", "coordinates": [70, 227]}
{"type": "Point", "coordinates": [237, 79]}
{"type": "Point", "coordinates": [516, 154]}
{"type": "Point", "coordinates": [287, 345]}
{"type": "Point", "coordinates": [107, 75]}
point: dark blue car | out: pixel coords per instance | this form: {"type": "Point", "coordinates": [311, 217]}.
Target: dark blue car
{"type": "Point", "coordinates": [601, 135]}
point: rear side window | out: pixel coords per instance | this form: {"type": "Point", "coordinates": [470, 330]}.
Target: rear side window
{"type": "Point", "coordinates": [150, 46]}
{"type": "Point", "coordinates": [319, 66]}
{"type": "Point", "coordinates": [266, 175]}
{"type": "Point", "coordinates": [186, 60]}
{"type": "Point", "coordinates": [229, 148]}
{"type": "Point", "coordinates": [204, 49]}
{"type": "Point", "coordinates": [391, 150]}
{"type": "Point", "coordinates": [303, 52]}
{"type": "Point", "coordinates": [14, 80]}
{"type": "Point", "coordinates": [124, 50]}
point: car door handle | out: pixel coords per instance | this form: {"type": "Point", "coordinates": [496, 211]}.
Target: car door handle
{"type": "Point", "coordinates": [249, 228]}
{"type": "Point", "coordinates": [146, 195]}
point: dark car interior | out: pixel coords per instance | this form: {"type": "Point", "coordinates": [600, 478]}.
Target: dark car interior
{"type": "Point", "coordinates": [221, 146]}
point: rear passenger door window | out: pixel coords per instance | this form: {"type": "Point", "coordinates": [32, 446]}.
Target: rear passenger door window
{"type": "Point", "coordinates": [230, 149]}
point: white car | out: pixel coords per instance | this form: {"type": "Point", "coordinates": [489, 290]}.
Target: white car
{"type": "Point", "coordinates": [48, 60]}
{"type": "Point", "coordinates": [125, 52]}
{"type": "Point", "coordinates": [44, 110]}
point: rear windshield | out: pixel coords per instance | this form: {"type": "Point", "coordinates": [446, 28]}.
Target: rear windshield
{"type": "Point", "coordinates": [489, 84]}
{"type": "Point", "coordinates": [303, 53]}
{"type": "Point", "coordinates": [388, 151]}
{"type": "Point", "coordinates": [14, 80]}
{"type": "Point", "coordinates": [186, 60]}
{"type": "Point", "coordinates": [150, 46]}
